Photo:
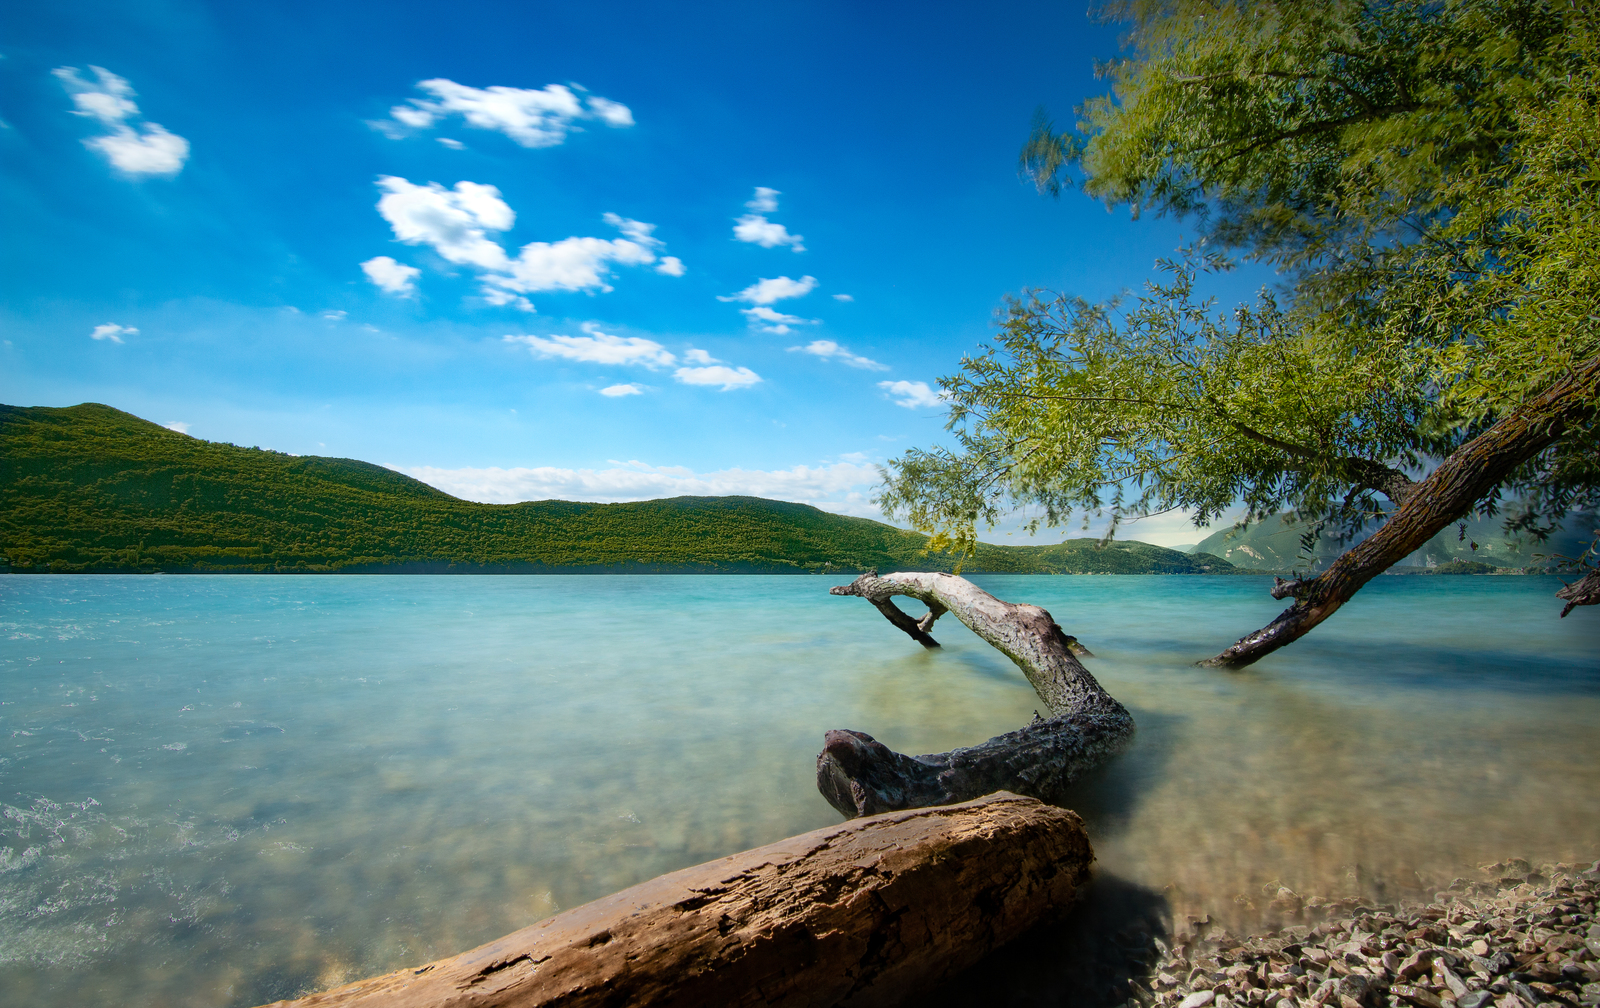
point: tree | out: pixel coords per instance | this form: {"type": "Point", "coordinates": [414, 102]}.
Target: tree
{"type": "Point", "coordinates": [1426, 176]}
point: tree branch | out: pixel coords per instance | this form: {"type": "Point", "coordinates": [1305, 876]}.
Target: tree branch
{"type": "Point", "coordinates": [1466, 477]}
{"type": "Point", "coordinates": [861, 776]}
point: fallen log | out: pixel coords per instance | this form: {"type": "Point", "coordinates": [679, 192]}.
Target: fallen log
{"type": "Point", "coordinates": [868, 912]}
{"type": "Point", "coordinates": [859, 775]}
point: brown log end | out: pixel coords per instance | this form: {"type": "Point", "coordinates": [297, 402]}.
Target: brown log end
{"type": "Point", "coordinates": [868, 912]}
{"type": "Point", "coordinates": [1584, 591]}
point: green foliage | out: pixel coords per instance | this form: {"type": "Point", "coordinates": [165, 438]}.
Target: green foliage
{"type": "Point", "coordinates": [1297, 128]}
{"type": "Point", "coordinates": [1167, 406]}
{"type": "Point", "coordinates": [1462, 567]}
{"type": "Point", "coordinates": [1424, 170]}
{"type": "Point", "coordinates": [90, 488]}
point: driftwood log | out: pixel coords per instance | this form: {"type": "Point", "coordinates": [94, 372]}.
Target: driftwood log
{"type": "Point", "coordinates": [869, 912]}
{"type": "Point", "coordinates": [859, 775]}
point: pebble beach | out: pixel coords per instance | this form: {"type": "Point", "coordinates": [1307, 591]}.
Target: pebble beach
{"type": "Point", "coordinates": [1519, 936]}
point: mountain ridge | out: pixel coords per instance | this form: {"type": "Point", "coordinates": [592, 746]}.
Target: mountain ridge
{"type": "Point", "coordinates": [92, 489]}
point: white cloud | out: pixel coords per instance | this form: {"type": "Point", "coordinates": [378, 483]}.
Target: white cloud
{"type": "Point", "coordinates": [335, 316]}
{"type": "Point", "coordinates": [571, 264]}
{"type": "Point", "coordinates": [764, 201]}
{"type": "Point", "coordinates": [609, 112]}
{"type": "Point", "coordinates": [671, 266]}
{"type": "Point", "coordinates": [843, 297]}
{"type": "Point", "coordinates": [599, 348]}
{"type": "Point", "coordinates": [913, 395]}
{"type": "Point", "coordinates": [390, 276]}
{"type": "Point", "coordinates": [457, 223]}
{"type": "Point", "coordinates": [694, 355]}
{"type": "Point", "coordinates": [179, 426]}
{"type": "Point", "coordinates": [639, 231]}
{"type": "Point", "coordinates": [841, 486]}
{"type": "Point", "coordinates": [137, 147]}
{"type": "Point", "coordinates": [765, 291]}
{"type": "Point", "coordinates": [452, 144]}
{"type": "Point", "coordinates": [112, 332]}
{"type": "Point", "coordinates": [829, 350]}
{"type": "Point", "coordinates": [718, 374]}
{"type": "Point", "coordinates": [777, 322]}
{"type": "Point", "coordinates": [500, 297]}
{"type": "Point", "coordinates": [614, 391]}
{"type": "Point", "coordinates": [533, 117]}
{"type": "Point", "coordinates": [757, 230]}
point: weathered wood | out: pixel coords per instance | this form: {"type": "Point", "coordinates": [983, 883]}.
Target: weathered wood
{"type": "Point", "coordinates": [868, 912]}
{"type": "Point", "coordinates": [860, 776]}
{"type": "Point", "coordinates": [1584, 591]}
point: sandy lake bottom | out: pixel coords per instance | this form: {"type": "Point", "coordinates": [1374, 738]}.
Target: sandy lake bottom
{"type": "Point", "coordinates": [226, 790]}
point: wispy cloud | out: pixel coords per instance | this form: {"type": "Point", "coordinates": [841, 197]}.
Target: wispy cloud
{"type": "Point", "coordinates": [841, 486]}
{"type": "Point", "coordinates": [765, 291]}
{"type": "Point", "coordinates": [390, 276]}
{"type": "Point", "coordinates": [729, 378]}
{"type": "Point", "coordinates": [768, 320]}
{"type": "Point", "coordinates": [913, 395]}
{"type": "Point", "coordinates": [130, 144]}
{"type": "Point", "coordinates": [617, 391]}
{"type": "Point", "coordinates": [112, 332]}
{"type": "Point", "coordinates": [829, 350]}
{"type": "Point", "coordinates": [178, 425]}
{"type": "Point", "coordinates": [457, 224]}
{"type": "Point", "coordinates": [764, 201]}
{"type": "Point", "coordinates": [843, 297]}
{"type": "Point", "coordinates": [599, 348]}
{"type": "Point", "coordinates": [756, 229]}
{"type": "Point", "coordinates": [533, 117]}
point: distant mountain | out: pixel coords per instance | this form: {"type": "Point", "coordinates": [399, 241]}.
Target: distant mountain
{"type": "Point", "coordinates": [92, 489]}
{"type": "Point", "coordinates": [1274, 545]}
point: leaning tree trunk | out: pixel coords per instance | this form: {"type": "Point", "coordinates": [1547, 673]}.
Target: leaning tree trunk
{"type": "Point", "coordinates": [861, 776]}
{"type": "Point", "coordinates": [1464, 479]}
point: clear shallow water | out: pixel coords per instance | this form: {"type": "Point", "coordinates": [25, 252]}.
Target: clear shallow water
{"type": "Point", "coordinates": [225, 790]}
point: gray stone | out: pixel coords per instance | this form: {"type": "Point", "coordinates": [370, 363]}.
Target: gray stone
{"type": "Point", "coordinates": [1199, 999]}
{"type": "Point", "coordinates": [1475, 999]}
{"type": "Point", "coordinates": [1451, 981]}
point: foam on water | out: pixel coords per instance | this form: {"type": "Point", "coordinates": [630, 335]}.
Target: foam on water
{"type": "Point", "coordinates": [225, 790]}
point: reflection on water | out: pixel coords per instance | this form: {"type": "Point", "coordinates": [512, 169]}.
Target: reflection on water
{"type": "Point", "coordinates": [224, 790]}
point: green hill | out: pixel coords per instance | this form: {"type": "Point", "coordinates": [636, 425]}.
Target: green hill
{"type": "Point", "coordinates": [92, 489]}
{"type": "Point", "coordinates": [1274, 545]}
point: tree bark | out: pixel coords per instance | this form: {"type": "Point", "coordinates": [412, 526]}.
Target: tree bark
{"type": "Point", "coordinates": [859, 775]}
{"type": "Point", "coordinates": [1462, 481]}
{"type": "Point", "coordinates": [1584, 591]}
{"type": "Point", "coordinates": [868, 912]}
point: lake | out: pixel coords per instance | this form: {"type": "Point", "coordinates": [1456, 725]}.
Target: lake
{"type": "Point", "coordinates": [223, 790]}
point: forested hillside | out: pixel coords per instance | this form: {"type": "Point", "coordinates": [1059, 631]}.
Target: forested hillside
{"type": "Point", "coordinates": [90, 488]}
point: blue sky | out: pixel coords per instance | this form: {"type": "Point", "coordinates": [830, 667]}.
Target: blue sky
{"type": "Point", "coordinates": [599, 251]}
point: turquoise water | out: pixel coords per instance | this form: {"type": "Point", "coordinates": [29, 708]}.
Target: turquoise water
{"type": "Point", "coordinates": [225, 790]}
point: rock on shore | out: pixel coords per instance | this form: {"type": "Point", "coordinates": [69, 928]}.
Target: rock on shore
{"type": "Point", "coordinates": [1523, 938]}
